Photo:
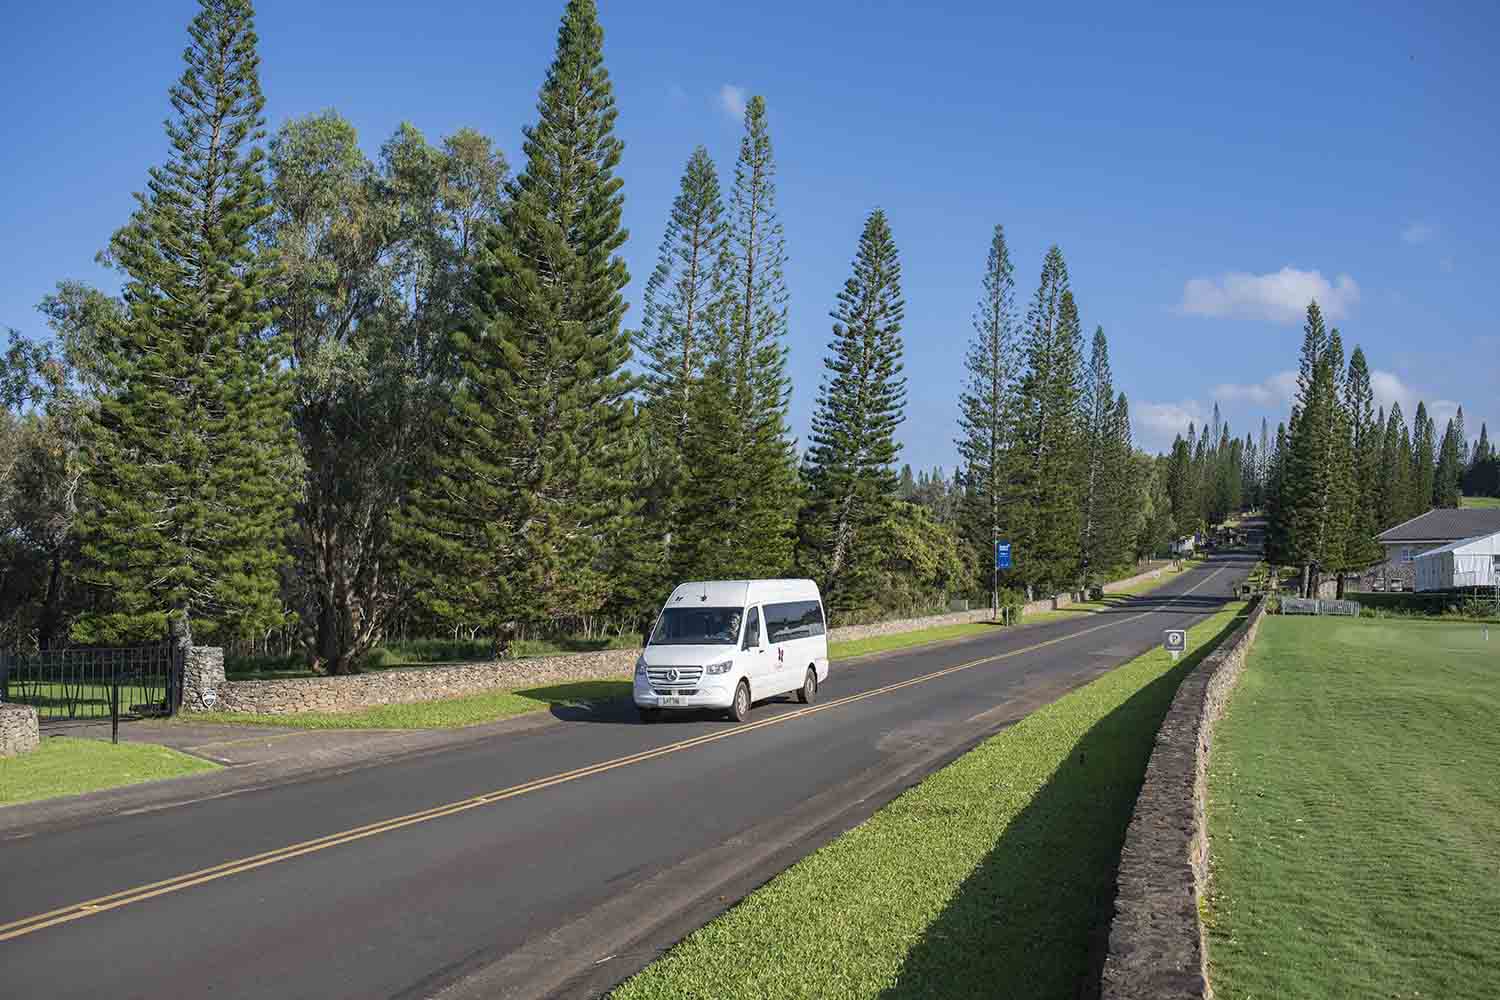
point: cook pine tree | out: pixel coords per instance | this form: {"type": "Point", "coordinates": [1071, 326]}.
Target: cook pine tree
{"type": "Point", "coordinates": [740, 491]}
{"type": "Point", "coordinates": [986, 406]}
{"type": "Point", "coordinates": [1361, 549]}
{"type": "Point", "coordinates": [190, 460]}
{"type": "Point", "coordinates": [1044, 466]}
{"type": "Point", "coordinates": [682, 317]}
{"type": "Point", "coordinates": [849, 470]}
{"type": "Point", "coordinates": [533, 495]}
{"type": "Point", "coordinates": [1423, 460]}
{"type": "Point", "coordinates": [1097, 409]}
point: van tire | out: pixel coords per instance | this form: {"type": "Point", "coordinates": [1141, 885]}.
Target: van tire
{"type": "Point", "coordinates": [650, 715]}
{"type": "Point", "coordinates": [808, 692]}
{"type": "Point", "coordinates": [739, 709]}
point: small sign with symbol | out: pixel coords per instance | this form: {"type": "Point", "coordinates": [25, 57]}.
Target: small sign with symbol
{"type": "Point", "coordinates": [1174, 641]}
{"type": "Point", "coordinates": [1002, 555]}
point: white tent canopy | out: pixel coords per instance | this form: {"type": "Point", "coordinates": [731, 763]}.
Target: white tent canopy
{"type": "Point", "coordinates": [1472, 562]}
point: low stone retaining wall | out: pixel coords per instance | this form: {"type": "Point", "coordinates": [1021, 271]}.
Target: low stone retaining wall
{"type": "Point", "coordinates": [18, 730]}
{"type": "Point", "coordinates": [1157, 948]}
{"type": "Point", "coordinates": [1114, 586]}
{"type": "Point", "coordinates": [205, 687]}
{"type": "Point", "coordinates": [405, 685]}
{"type": "Point", "coordinates": [850, 633]}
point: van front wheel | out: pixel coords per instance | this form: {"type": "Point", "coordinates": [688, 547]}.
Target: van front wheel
{"type": "Point", "coordinates": [739, 711]}
{"type": "Point", "coordinates": [808, 693]}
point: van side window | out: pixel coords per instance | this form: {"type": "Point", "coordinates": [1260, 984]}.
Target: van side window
{"type": "Point", "coordinates": [794, 620]}
{"type": "Point", "coordinates": [752, 629]}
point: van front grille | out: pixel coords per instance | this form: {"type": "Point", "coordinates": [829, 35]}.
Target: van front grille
{"type": "Point", "coordinates": [674, 676]}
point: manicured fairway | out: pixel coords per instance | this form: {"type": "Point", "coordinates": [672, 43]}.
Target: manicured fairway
{"type": "Point", "coordinates": [992, 878]}
{"type": "Point", "coordinates": [1355, 814]}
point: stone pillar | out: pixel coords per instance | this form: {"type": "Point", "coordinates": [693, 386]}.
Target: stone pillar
{"type": "Point", "coordinates": [202, 673]}
{"type": "Point", "coordinates": [18, 730]}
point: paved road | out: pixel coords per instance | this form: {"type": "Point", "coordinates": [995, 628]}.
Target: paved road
{"type": "Point", "coordinates": [551, 861]}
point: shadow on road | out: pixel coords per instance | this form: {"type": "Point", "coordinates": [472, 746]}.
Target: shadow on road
{"type": "Point", "coordinates": [1033, 919]}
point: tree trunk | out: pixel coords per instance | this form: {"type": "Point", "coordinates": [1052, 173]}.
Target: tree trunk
{"type": "Point", "coordinates": [47, 627]}
{"type": "Point", "coordinates": [1307, 577]}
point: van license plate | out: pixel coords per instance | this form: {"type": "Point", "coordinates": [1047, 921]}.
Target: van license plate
{"type": "Point", "coordinates": [668, 700]}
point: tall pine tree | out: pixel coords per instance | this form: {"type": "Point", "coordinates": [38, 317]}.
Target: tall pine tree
{"type": "Point", "coordinates": [1044, 480]}
{"type": "Point", "coordinates": [521, 516]}
{"type": "Point", "coordinates": [740, 497]}
{"type": "Point", "coordinates": [191, 463]}
{"type": "Point", "coordinates": [985, 406]}
{"type": "Point", "coordinates": [1423, 460]}
{"type": "Point", "coordinates": [1395, 471]}
{"type": "Point", "coordinates": [1097, 409]}
{"type": "Point", "coordinates": [849, 468]}
{"type": "Point", "coordinates": [1315, 472]}
{"type": "Point", "coordinates": [1366, 434]}
{"type": "Point", "coordinates": [682, 322]}
{"type": "Point", "coordinates": [1447, 476]}
{"type": "Point", "coordinates": [1119, 488]}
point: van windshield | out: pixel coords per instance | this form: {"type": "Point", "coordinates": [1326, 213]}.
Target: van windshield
{"type": "Point", "coordinates": [698, 627]}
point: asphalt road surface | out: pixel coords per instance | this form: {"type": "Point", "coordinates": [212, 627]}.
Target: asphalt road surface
{"type": "Point", "coordinates": [551, 861]}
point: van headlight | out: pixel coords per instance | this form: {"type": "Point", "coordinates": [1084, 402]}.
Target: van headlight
{"type": "Point", "coordinates": [640, 666]}
{"type": "Point", "coordinates": [719, 668]}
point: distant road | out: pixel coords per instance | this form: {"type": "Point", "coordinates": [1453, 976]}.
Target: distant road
{"type": "Point", "coordinates": [551, 861]}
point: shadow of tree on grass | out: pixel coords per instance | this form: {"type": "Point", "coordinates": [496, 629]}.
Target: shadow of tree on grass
{"type": "Point", "coordinates": [1033, 919]}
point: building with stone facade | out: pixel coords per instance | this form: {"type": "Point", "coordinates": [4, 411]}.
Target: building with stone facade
{"type": "Point", "coordinates": [1425, 532]}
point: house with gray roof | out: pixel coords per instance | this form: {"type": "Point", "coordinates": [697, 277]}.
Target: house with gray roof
{"type": "Point", "coordinates": [1425, 532]}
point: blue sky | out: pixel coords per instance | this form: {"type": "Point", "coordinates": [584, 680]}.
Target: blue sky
{"type": "Point", "coordinates": [1203, 171]}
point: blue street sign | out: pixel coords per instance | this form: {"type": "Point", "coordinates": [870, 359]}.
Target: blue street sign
{"type": "Point", "coordinates": [1002, 555]}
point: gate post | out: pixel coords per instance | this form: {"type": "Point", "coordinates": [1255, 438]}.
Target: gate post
{"type": "Point", "coordinates": [114, 699]}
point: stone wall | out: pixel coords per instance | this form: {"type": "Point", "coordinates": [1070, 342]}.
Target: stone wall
{"type": "Point", "coordinates": [205, 688]}
{"type": "Point", "coordinates": [850, 633]}
{"type": "Point", "coordinates": [202, 678]}
{"type": "Point", "coordinates": [401, 686]}
{"type": "Point", "coordinates": [18, 730]}
{"type": "Point", "coordinates": [1115, 586]}
{"type": "Point", "coordinates": [1157, 947]}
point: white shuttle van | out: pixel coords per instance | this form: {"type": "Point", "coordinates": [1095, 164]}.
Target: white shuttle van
{"type": "Point", "coordinates": [725, 644]}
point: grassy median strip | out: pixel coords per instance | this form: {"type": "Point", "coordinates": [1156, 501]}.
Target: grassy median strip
{"type": "Point", "coordinates": [990, 878]}
{"type": "Point", "coordinates": [445, 713]}
{"type": "Point", "coordinates": [64, 766]}
{"type": "Point", "coordinates": [1355, 814]}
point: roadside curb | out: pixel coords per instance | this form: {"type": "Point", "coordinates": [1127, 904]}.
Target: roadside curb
{"type": "Point", "coordinates": [1157, 944]}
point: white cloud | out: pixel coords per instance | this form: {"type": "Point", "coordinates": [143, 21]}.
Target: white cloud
{"type": "Point", "coordinates": [1278, 390]}
{"type": "Point", "coordinates": [732, 100]}
{"type": "Point", "coordinates": [1418, 233]}
{"type": "Point", "coordinates": [1281, 296]}
{"type": "Point", "coordinates": [1389, 388]}
{"type": "Point", "coordinates": [1156, 424]}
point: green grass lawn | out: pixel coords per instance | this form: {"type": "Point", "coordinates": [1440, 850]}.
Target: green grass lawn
{"type": "Point", "coordinates": [446, 713]}
{"type": "Point", "coordinates": [992, 878]}
{"type": "Point", "coordinates": [64, 766]}
{"type": "Point", "coordinates": [1487, 502]}
{"type": "Point", "coordinates": [1355, 814]}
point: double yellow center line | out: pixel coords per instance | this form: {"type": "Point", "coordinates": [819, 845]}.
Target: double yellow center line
{"type": "Point", "coordinates": [102, 904]}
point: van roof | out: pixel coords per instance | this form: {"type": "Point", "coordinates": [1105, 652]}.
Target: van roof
{"type": "Point", "coordinates": [738, 593]}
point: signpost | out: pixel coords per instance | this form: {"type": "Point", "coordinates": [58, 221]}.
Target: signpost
{"type": "Point", "coordinates": [1174, 641]}
{"type": "Point", "coordinates": [1002, 561]}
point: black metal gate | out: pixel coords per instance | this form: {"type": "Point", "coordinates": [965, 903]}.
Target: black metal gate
{"type": "Point", "coordinates": [95, 683]}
